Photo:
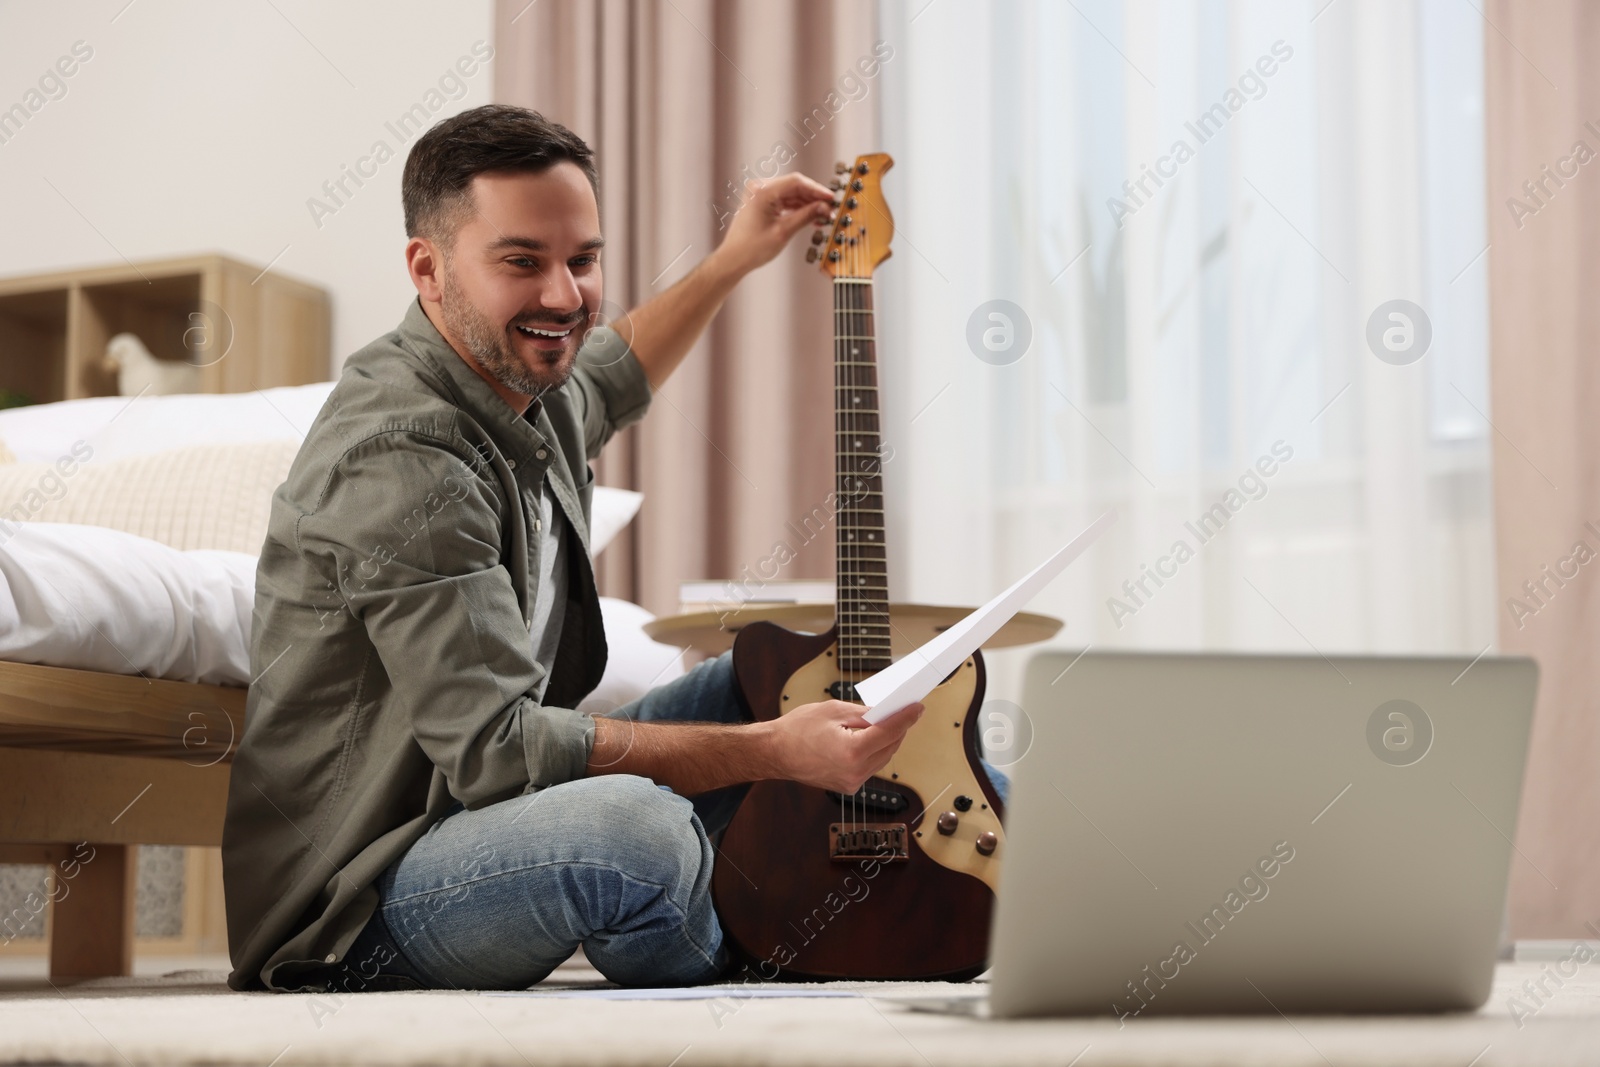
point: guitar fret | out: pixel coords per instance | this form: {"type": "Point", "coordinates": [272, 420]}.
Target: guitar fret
{"type": "Point", "coordinates": [861, 567]}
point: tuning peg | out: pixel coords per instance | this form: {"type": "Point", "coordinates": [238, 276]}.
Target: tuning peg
{"type": "Point", "coordinates": [817, 237]}
{"type": "Point", "coordinates": [836, 185]}
{"type": "Point", "coordinates": [862, 168]}
{"type": "Point", "coordinates": [811, 254]}
{"type": "Point", "coordinates": [841, 168]}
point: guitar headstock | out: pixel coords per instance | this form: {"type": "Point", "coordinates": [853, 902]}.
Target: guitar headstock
{"type": "Point", "coordinates": [862, 226]}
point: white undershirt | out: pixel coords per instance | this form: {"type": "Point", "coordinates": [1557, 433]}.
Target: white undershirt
{"type": "Point", "coordinates": [550, 597]}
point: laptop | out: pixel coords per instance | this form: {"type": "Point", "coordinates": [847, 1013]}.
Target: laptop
{"type": "Point", "coordinates": [1193, 833]}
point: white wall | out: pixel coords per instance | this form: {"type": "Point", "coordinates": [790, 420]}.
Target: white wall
{"type": "Point", "coordinates": [198, 127]}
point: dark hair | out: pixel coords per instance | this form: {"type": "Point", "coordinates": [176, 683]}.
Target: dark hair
{"type": "Point", "coordinates": [455, 150]}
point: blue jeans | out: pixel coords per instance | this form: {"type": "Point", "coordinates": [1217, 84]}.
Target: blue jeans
{"type": "Point", "coordinates": [497, 898]}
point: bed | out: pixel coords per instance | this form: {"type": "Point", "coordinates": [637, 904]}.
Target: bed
{"type": "Point", "coordinates": [127, 538]}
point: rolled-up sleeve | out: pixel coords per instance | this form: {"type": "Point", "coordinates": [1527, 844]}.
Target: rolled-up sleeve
{"type": "Point", "coordinates": [412, 533]}
{"type": "Point", "coordinates": [609, 387]}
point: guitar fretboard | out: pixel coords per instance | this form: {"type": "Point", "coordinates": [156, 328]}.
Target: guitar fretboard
{"type": "Point", "coordinates": [863, 572]}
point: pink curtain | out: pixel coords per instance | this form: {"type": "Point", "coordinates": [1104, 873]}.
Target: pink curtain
{"type": "Point", "coordinates": [1543, 98]}
{"type": "Point", "coordinates": [681, 100]}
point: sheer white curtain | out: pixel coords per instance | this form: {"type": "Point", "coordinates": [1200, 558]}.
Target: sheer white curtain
{"type": "Point", "coordinates": [1194, 208]}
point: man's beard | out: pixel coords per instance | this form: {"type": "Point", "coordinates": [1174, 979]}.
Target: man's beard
{"type": "Point", "coordinates": [490, 346]}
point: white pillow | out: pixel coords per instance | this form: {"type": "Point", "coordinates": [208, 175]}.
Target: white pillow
{"type": "Point", "coordinates": [118, 427]}
{"type": "Point", "coordinates": [635, 663]}
{"type": "Point", "coordinates": [115, 428]}
{"type": "Point", "coordinates": [609, 512]}
{"type": "Point", "coordinates": [207, 496]}
{"type": "Point", "coordinates": [104, 600]}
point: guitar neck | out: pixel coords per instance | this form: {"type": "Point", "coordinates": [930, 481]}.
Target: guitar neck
{"type": "Point", "coordinates": [863, 571]}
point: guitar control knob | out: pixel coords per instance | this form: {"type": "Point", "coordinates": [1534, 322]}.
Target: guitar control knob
{"type": "Point", "coordinates": [948, 823]}
{"type": "Point", "coordinates": [963, 803]}
{"type": "Point", "coordinates": [986, 843]}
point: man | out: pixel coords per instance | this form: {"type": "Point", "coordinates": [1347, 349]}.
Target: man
{"type": "Point", "coordinates": [414, 803]}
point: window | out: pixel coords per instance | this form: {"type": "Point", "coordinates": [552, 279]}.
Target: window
{"type": "Point", "coordinates": [1196, 220]}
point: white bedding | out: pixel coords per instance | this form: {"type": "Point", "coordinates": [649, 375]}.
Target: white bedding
{"type": "Point", "coordinates": [119, 427]}
{"type": "Point", "coordinates": [101, 432]}
{"type": "Point", "coordinates": [104, 600]}
{"type": "Point", "coordinates": [100, 599]}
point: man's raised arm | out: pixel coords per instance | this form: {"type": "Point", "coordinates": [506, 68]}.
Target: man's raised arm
{"type": "Point", "coordinates": [662, 330]}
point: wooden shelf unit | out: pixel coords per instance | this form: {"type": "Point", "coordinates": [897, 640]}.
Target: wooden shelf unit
{"type": "Point", "coordinates": [246, 328]}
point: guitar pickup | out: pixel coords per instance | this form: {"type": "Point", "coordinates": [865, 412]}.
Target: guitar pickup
{"type": "Point", "coordinates": [858, 842]}
{"type": "Point", "coordinates": [876, 795]}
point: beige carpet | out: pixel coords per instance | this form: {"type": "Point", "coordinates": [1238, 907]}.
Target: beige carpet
{"type": "Point", "coordinates": [190, 1017]}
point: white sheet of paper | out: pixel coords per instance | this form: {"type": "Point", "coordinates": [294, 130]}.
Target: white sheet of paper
{"type": "Point", "coordinates": [713, 992]}
{"type": "Point", "coordinates": [911, 678]}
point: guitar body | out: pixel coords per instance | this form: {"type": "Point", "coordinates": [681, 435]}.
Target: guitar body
{"type": "Point", "coordinates": [789, 907]}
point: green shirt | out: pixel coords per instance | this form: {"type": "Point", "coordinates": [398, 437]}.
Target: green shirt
{"type": "Point", "coordinates": [393, 664]}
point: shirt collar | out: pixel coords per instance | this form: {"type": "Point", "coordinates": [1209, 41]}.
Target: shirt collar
{"type": "Point", "coordinates": [519, 437]}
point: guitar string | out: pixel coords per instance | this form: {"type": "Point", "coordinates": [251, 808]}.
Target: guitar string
{"type": "Point", "coordinates": [852, 420]}
{"type": "Point", "coordinates": [850, 325]}
{"type": "Point", "coordinates": [842, 424]}
{"type": "Point", "coordinates": [847, 811]}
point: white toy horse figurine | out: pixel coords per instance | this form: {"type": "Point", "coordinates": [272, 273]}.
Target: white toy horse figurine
{"type": "Point", "coordinates": [138, 371]}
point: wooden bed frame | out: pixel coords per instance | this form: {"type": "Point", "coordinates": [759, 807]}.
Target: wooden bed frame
{"type": "Point", "coordinates": [91, 764]}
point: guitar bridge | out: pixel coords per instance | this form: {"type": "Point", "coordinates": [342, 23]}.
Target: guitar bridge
{"type": "Point", "coordinates": [858, 842]}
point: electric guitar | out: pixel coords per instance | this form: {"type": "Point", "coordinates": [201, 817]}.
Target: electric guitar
{"type": "Point", "coordinates": [896, 881]}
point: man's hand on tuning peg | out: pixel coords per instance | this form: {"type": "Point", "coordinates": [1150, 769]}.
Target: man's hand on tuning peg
{"type": "Point", "coordinates": [774, 210]}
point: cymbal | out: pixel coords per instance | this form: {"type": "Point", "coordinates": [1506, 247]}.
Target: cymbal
{"type": "Point", "coordinates": [911, 625]}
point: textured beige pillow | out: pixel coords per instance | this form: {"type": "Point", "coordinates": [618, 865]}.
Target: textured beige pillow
{"type": "Point", "coordinates": [211, 496]}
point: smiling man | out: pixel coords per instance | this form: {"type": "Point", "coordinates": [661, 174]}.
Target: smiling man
{"type": "Point", "coordinates": [414, 802]}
